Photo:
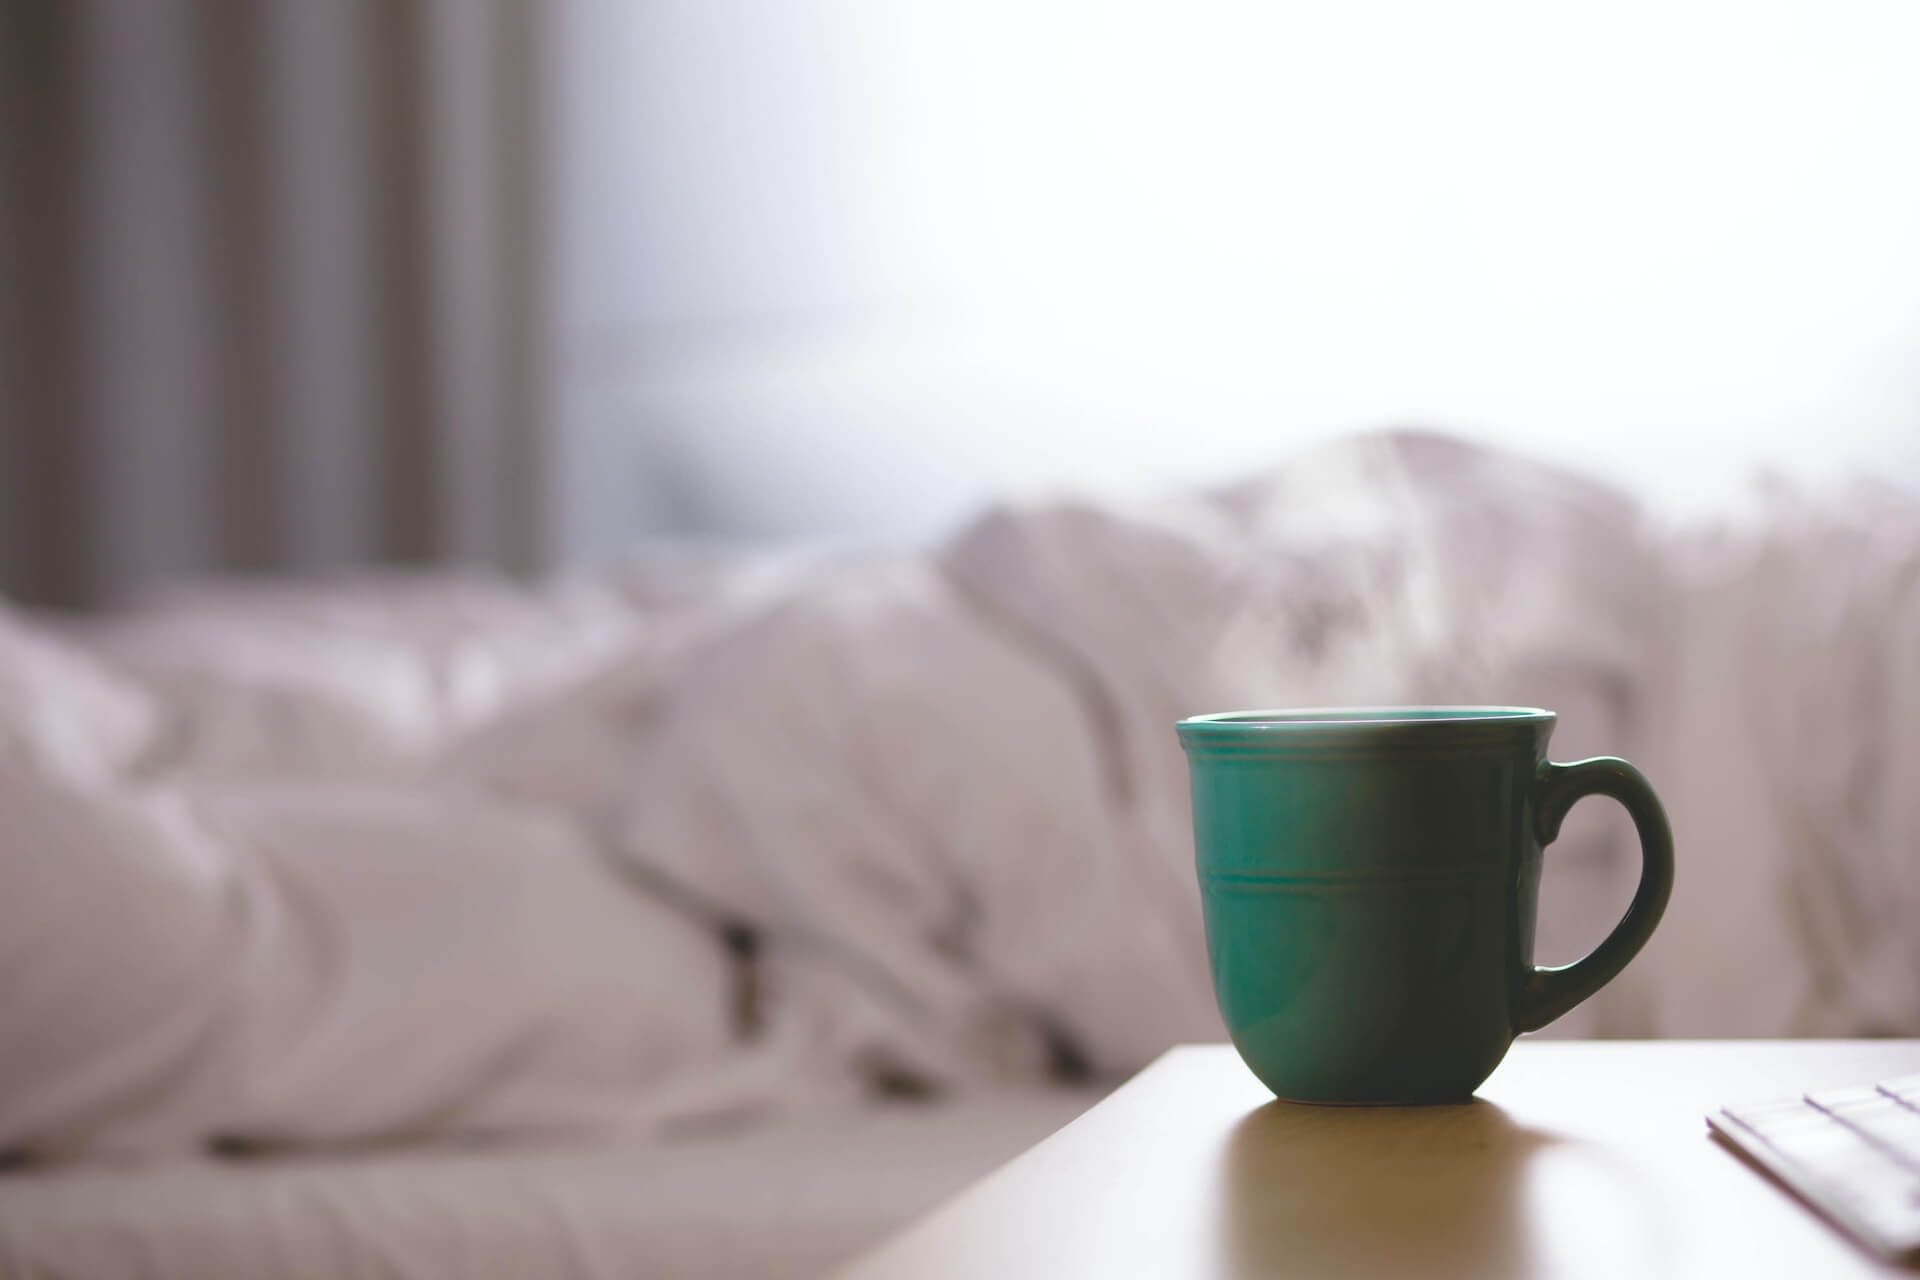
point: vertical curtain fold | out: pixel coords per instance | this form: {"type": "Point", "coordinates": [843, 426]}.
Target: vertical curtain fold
{"type": "Point", "coordinates": [242, 226]}
{"type": "Point", "coordinates": [44, 545]}
{"type": "Point", "coordinates": [272, 289]}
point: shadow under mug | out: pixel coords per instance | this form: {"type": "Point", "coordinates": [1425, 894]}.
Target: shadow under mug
{"type": "Point", "coordinates": [1369, 878]}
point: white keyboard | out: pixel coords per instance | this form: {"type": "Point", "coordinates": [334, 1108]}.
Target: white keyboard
{"type": "Point", "coordinates": [1854, 1154]}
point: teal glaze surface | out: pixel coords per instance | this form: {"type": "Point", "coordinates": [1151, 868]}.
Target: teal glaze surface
{"type": "Point", "coordinates": [1369, 878]}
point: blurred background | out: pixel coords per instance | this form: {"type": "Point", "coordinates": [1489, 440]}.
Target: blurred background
{"type": "Point", "coordinates": [291, 286]}
{"type": "Point", "coordinates": [593, 830]}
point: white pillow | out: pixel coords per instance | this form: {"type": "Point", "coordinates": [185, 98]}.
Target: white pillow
{"type": "Point", "coordinates": [360, 678]}
{"type": "Point", "coordinates": [63, 713]}
{"type": "Point", "coordinates": [265, 696]}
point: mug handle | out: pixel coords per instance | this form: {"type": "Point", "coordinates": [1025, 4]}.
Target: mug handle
{"type": "Point", "coordinates": [1545, 994]}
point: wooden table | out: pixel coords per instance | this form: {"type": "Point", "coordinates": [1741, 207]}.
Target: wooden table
{"type": "Point", "coordinates": [1578, 1159]}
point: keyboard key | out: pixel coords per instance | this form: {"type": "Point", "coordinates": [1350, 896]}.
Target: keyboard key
{"type": "Point", "coordinates": [1879, 1118]}
{"type": "Point", "coordinates": [1903, 1088]}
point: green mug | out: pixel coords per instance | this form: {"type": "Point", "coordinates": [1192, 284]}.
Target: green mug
{"type": "Point", "coordinates": [1369, 877]}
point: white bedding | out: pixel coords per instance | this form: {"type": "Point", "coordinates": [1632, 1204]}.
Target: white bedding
{"type": "Point", "coordinates": [784, 1200]}
{"type": "Point", "coordinates": [448, 858]}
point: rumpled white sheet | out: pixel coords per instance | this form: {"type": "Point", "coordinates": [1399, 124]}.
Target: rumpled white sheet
{"type": "Point", "coordinates": [1785, 735]}
{"type": "Point", "coordinates": [333, 864]}
{"type": "Point", "coordinates": [790, 1201]}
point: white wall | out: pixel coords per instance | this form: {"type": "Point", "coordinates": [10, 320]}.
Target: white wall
{"type": "Point", "coordinates": [855, 266]}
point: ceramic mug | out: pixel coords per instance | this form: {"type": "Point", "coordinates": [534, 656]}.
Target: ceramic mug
{"type": "Point", "coordinates": [1369, 877]}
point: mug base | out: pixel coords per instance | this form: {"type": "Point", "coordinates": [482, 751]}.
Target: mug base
{"type": "Point", "coordinates": [1448, 1101]}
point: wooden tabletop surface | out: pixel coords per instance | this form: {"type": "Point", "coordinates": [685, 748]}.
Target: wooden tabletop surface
{"type": "Point", "coordinates": [1577, 1159]}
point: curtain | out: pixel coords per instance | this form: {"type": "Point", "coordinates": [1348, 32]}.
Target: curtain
{"type": "Point", "coordinates": [271, 289]}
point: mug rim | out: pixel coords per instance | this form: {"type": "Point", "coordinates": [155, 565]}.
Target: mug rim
{"type": "Point", "coordinates": [1281, 720]}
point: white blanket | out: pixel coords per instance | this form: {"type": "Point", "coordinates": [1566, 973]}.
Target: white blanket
{"type": "Point", "coordinates": [329, 865]}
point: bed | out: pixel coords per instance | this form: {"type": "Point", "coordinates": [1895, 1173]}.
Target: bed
{"type": "Point", "coordinates": [416, 925]}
